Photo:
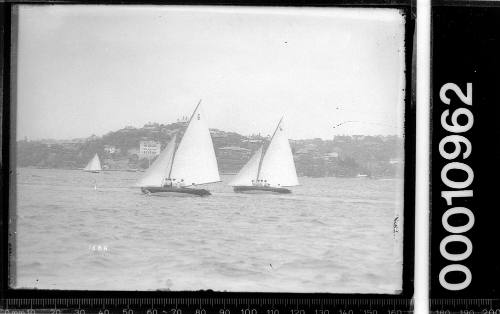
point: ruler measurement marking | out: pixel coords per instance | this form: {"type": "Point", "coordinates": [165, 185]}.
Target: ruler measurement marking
{"type": "Point", "coordinates": [234, 304]}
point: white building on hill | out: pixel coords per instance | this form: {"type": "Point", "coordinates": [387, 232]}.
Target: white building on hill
{"type": "Point", "coordinates": [149, 149]}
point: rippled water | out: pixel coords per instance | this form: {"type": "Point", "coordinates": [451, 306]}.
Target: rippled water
{"type": "Point", "coordinates": [329, 235]}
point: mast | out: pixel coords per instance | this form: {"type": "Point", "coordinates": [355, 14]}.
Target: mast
{"type": "Point", "coordinates": [177, 146]}
{"type": "Point", "coordinates": [195, 109]}
{"type": "Point", "coordinates": [272, 137]}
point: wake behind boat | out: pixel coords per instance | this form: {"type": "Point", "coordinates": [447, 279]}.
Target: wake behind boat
{"type": "Point", "coordinates": [179, 168]}
{"type": "Point", "coordinates": [270, 172]}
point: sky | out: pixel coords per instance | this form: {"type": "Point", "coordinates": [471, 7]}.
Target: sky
{"type": "Point", "coordinates": [84, 70]}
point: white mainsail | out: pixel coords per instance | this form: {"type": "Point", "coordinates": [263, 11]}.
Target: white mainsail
{"type": "Point", "coordinates": [157, 173]}
{"type": "Point", "coordinates": [278, 167]}
{"type": "Point", "coordinates": [194, 161]}
{"type": "Point", "coordinates": [249, 172]}
{"type": "Point", "coordinates": [94, 164]}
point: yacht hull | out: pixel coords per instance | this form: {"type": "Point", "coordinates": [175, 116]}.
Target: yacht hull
{"type": "Point", "coordinates": [260, 189]}
{"type": "Point", "coordinates": [174, 190]}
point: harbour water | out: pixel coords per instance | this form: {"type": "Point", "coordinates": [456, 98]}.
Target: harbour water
{"type": "Point", "coordinates": [78, 230]}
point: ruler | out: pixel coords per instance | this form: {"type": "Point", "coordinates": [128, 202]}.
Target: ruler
{"type": "Point", "coordinates": [208, 305]}
{"type": "Point", "coordinates": [465, 306]}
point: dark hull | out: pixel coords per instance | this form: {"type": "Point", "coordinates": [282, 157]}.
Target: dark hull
{"type": "Point", "coordinates": [254, 189]}
{"type": "Point", "coordinates": [151, 190]}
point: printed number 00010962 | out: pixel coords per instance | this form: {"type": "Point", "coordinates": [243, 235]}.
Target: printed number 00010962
{"type": "Point", "coordinates": [462, 146]}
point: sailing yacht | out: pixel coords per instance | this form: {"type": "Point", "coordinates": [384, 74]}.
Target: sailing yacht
{"type": "Point", "coordinates": [94, 165]}
{"type": "Point", "coordinates": [179, 168]}
{"type": "Point", "coordinates": [271, 171]}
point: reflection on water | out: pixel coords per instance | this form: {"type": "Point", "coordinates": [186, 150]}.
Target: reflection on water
{"type": "Point", "coordinates": [329, 235]}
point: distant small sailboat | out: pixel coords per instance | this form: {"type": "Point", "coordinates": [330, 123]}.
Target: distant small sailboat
{"type": "Point", "coordinates": [94, 165]}
{"type": "Point", "coordinates": [272, 171]}
{"type": "Point", "coordinates": [178, 168]}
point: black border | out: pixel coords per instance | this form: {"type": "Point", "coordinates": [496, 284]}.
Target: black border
{"type": "Point", "coordinates": [406, 6]}
{"type": "Point", "coordinates": [460, 32]}
{"type": "Point", "coordinates": [5, 248]}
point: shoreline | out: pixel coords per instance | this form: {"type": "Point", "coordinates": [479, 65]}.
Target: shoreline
{"type": "Point", "coordinates": [224, 174]}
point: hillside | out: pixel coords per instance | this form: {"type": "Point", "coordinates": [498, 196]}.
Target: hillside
{"type": "Point", "coordinates": [346, 156]}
